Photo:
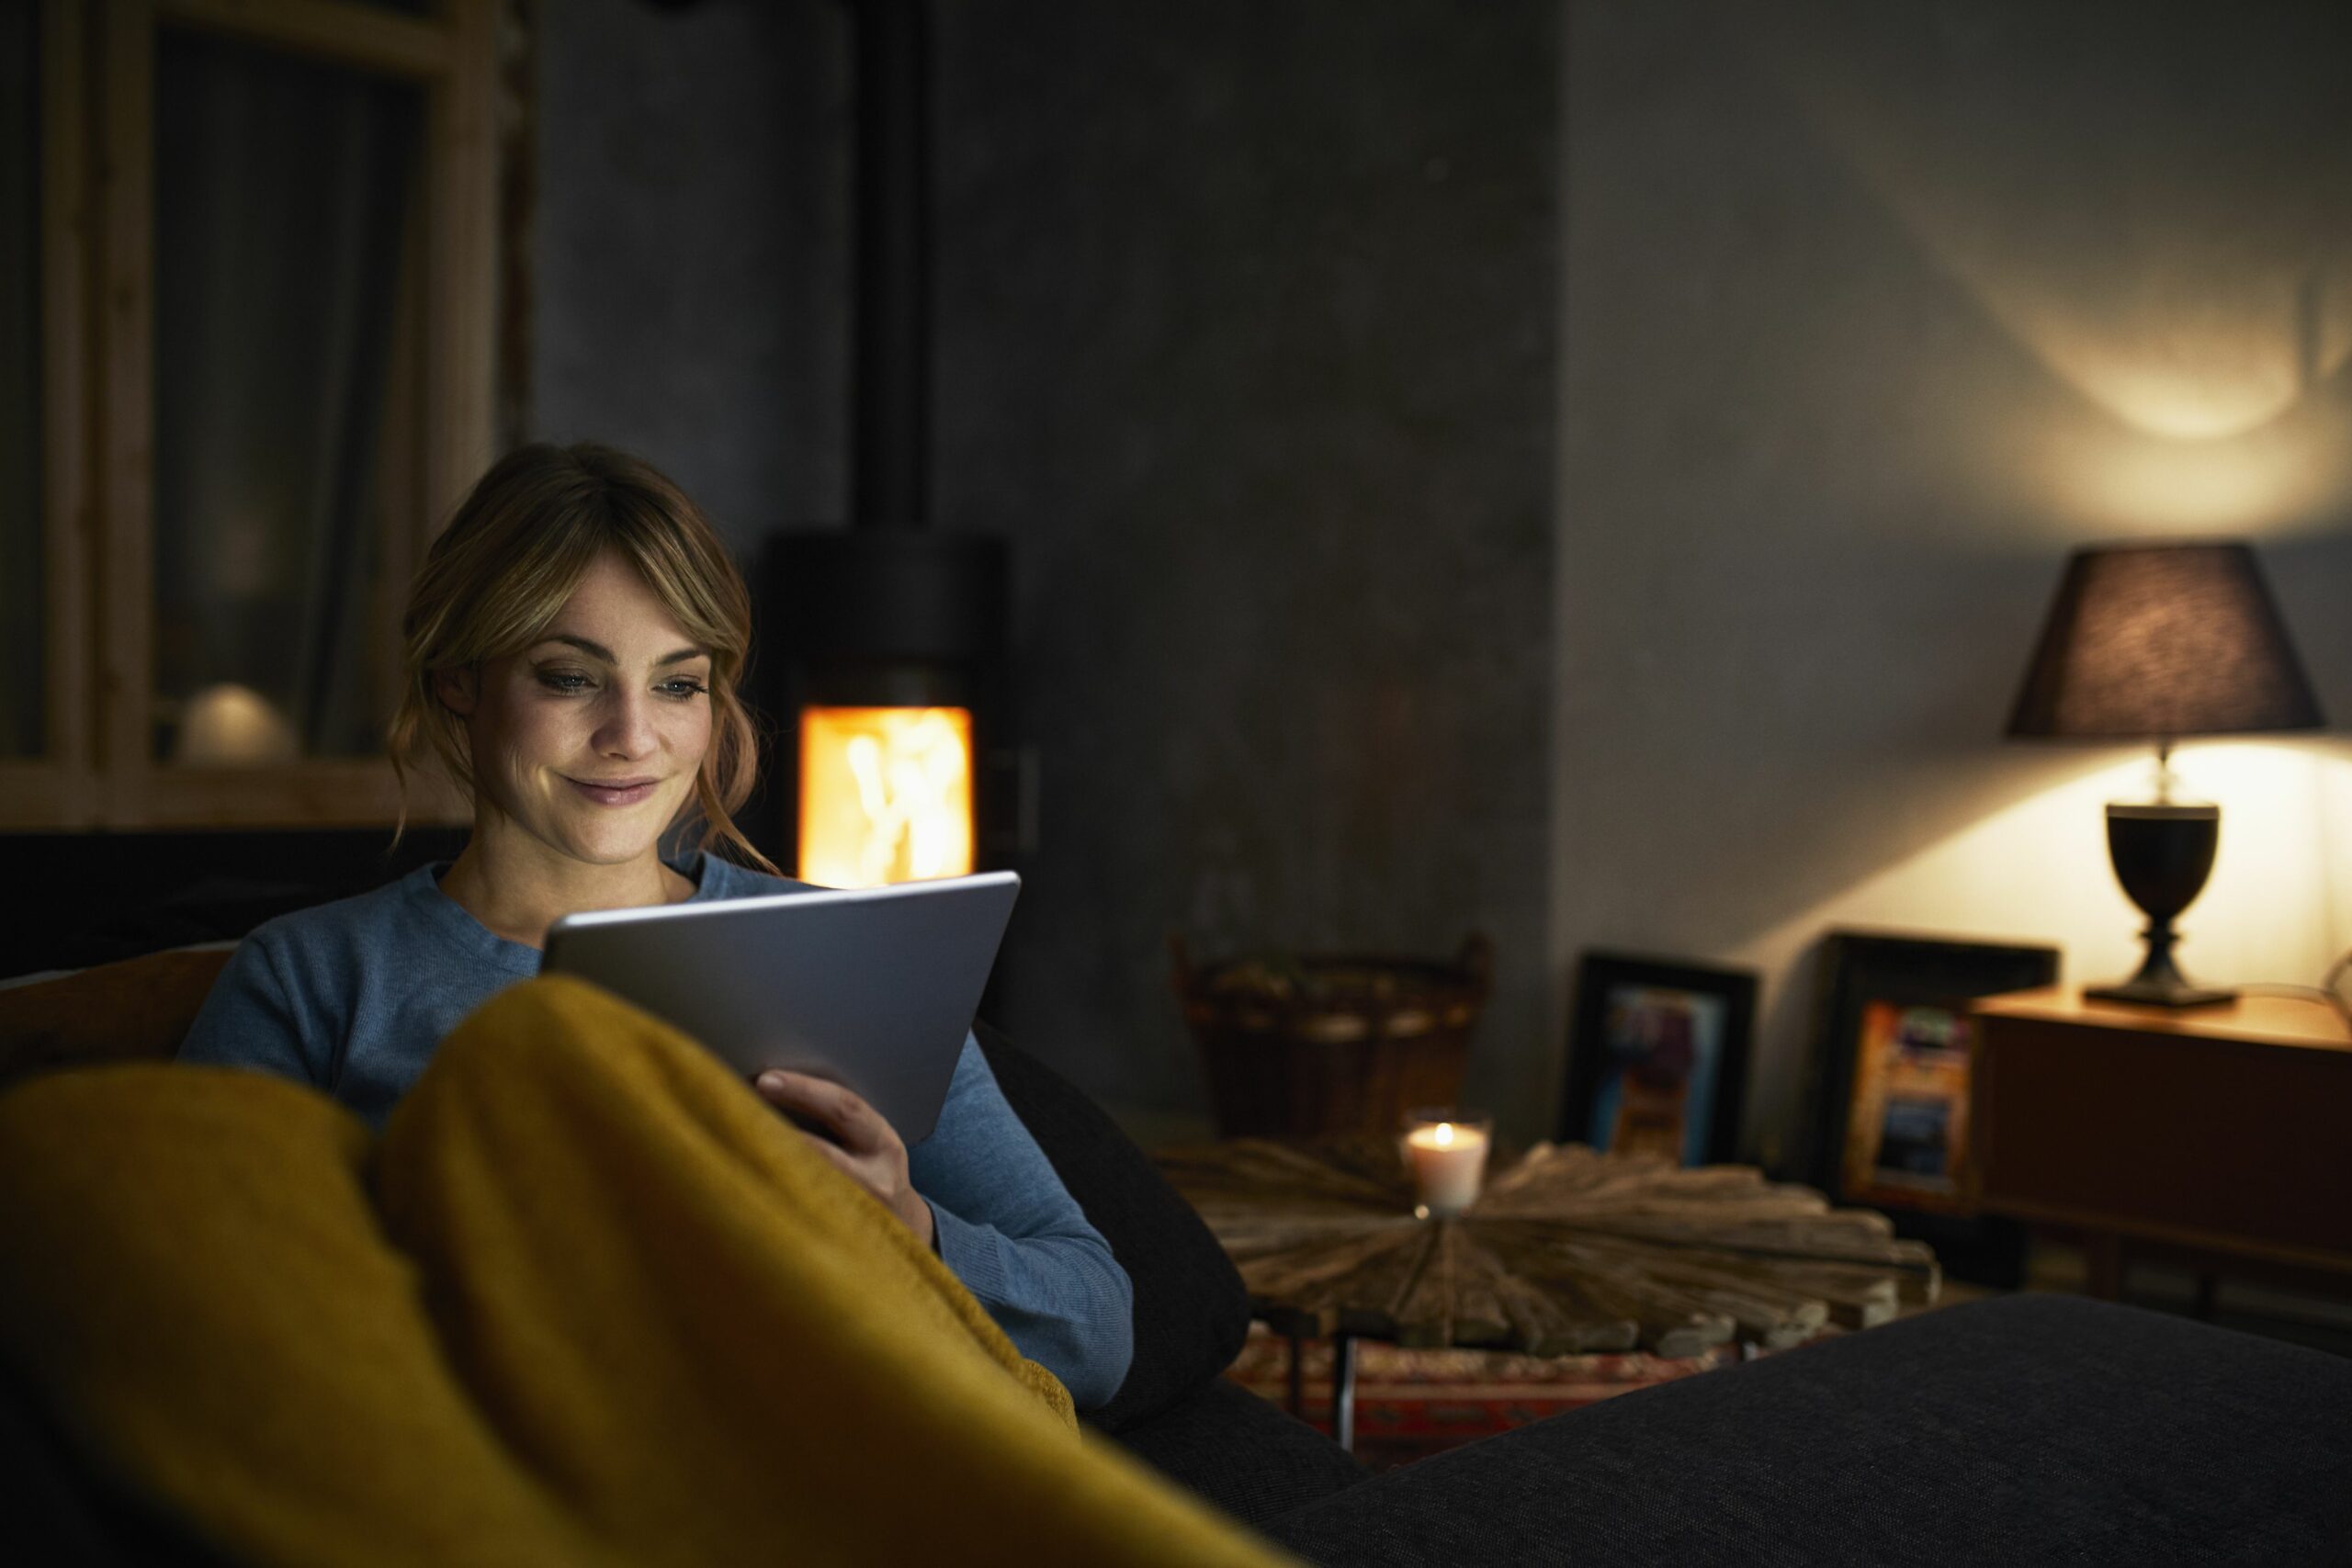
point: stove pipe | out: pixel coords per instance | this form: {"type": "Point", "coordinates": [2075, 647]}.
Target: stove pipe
{"type": "Point", "coordinates": [890, 440]}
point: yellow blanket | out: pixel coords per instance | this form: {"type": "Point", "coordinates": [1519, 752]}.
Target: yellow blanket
{"type": "Point", "coordinates": [586, 1300]}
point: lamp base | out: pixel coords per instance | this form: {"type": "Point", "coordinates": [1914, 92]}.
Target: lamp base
{"type": "Point", "coordinates": [2160, 983]}
{"type": "Point", "coordinates": [2163, 853]}
{"type": "Point", "coordinates": [2176, 993]}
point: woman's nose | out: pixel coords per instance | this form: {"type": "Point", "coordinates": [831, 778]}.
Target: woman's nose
{"type": "Point", "coordinates": [625, 728]}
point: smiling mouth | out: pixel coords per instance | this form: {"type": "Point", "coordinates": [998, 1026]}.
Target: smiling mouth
{"type": "Point", "coordinates": [613, 794]}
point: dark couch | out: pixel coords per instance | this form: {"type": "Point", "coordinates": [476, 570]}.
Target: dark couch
{"type": "Point", "coordinates": [2024, 1430]}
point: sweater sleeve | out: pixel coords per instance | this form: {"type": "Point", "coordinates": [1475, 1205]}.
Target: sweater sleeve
{"type": "Point", "coordinates": [250, 1019]}
{"type": "Point", "coordinates": [1018, 1240]}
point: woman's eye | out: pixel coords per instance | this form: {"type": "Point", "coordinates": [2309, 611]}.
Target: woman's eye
{"type": "Point", "coordinates": [683, 688]}
{"type": "Point", "coordinates": [563, 681]}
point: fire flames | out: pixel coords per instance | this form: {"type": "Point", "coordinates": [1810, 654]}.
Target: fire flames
{"type": "Point", "coordinates": [886, 795]}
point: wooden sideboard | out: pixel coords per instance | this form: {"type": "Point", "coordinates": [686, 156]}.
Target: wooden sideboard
{"type": "Point", "coordinates": [2223, 1134]}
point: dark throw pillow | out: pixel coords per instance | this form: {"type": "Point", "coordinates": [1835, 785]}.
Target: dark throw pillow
{"type": "Point", "coordinates": [1192, 1312]}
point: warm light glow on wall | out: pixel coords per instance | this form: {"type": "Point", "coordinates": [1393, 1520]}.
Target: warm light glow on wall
{"type": "Point", "coordinates": [886, 795]}
{"type": "Point", "coordinates": [2119, 480]}
{"type": "Point", "coordinates": [2197, 387]}
{"type": "Point", "coordinates": [2167, 336]}
{"type": "Point", "coordinates": [2237, 386]}
{"type": "Point", "coordinates": [2195, 358]}
{"type": "Point", "coordinates": [2200, 316]}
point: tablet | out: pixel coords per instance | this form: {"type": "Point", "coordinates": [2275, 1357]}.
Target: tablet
{"type": "Point", "coordinates": [873, 987]}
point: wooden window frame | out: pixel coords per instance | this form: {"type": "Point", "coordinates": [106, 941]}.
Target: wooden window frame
{"type": "Point", "coordinates": [98, 207]}
{"type": "Point", "coordinates": [58, 787]}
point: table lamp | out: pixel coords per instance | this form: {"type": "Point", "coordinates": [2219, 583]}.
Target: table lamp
{"type": "Point", "coordinates": [2162, 642]}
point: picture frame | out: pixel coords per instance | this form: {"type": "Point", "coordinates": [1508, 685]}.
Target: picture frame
{"type": "Point", "coordinates": [1890, 1114]}
{"type": "Point", "coordinates": [1657, 1057]}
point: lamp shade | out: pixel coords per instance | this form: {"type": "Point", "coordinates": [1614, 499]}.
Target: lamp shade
{"type": "Point", "coordinates": [2163, 641]}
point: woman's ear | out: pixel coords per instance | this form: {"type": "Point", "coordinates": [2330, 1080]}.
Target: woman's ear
{"type": "Point", "coordinates": [459, 688]}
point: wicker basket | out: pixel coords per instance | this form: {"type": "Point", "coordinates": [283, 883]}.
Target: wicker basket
{"type": "Point", "coordinates": [1295, 1047]}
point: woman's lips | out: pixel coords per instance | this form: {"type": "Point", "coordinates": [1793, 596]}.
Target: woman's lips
{"type": "Point", "coordinates": [604, 795]}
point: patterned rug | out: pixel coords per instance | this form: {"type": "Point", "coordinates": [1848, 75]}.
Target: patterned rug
{"type": "Point", "coordinates": [1412, 1403]}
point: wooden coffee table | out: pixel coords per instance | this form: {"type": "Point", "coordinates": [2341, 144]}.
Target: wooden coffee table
{"type": "Point", "coordinates": [1567, 1251]}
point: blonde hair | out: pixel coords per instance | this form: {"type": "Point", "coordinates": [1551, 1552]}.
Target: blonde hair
{"type": "Point", "coordinates": [498, 574]}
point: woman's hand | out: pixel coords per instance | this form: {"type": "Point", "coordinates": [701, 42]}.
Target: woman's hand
{"type": "Point", "coordinates": [863, 1144]}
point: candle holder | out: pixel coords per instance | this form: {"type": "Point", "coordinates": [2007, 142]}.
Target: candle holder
{"type": "Point", "coordinates": [1446, 1153]}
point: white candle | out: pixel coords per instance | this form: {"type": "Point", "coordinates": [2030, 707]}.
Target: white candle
{"type": "Point", "coordinates": [1448, 1158]}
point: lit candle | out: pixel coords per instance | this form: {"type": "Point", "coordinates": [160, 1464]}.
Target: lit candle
{"type": "Point", "coordinates": [1448, 1157]}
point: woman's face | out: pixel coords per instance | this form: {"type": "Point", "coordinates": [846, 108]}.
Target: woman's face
{"type": "Point", "coordinates": [589, 740]}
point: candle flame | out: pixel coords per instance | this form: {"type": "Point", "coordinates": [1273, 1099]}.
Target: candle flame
{"type": "Point", "coordinates": [1444, 1134]}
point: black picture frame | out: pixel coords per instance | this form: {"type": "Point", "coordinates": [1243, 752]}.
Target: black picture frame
{"type": "Point", "coordinates": [1891, 1053]}
{"type": "Point", "coordinates": [1634, 1012]}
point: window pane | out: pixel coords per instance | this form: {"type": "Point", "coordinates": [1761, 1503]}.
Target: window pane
{"type": "Point", "coordinates": [287, 211]}
{"type": "Point", "coordinates": [23, 619]}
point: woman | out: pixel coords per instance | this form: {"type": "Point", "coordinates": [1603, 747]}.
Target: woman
{"type": "Point", "coordinates": [572, 648]}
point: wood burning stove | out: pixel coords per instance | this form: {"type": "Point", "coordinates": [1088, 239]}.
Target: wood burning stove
{"type": "Point", "coordinates": [890, 698]}
{"type": "Point", "coordinates": [891, 702]}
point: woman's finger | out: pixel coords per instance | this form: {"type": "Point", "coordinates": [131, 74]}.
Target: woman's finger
{"type": "Point", "coordinates": [858, 1125]}
{"type": "Point", "coordinates": [845, 1163]}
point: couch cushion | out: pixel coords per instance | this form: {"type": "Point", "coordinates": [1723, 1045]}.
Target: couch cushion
{"type": "Point", "coordinates": [137, 1009]}
{"type": "Point", "coordinates": [1191, 1313]}
{"type": "Point", "coordinates": [2020, 1429]}
{"type": "Point", "coordinates": [1251, 1459]}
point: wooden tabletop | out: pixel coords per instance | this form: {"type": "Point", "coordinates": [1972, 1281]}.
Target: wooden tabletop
{"type": "Point", "coordinates": [1567, 1251]}
{"type": "Point", "coordinates": [2256, 1019]}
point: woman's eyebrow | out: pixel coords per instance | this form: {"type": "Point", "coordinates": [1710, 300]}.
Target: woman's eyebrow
{"type": "Point", "coordinates": [599, 650]}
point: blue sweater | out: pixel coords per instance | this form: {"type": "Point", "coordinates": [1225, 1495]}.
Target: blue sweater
{"type": "Point", "coordinates": [354, 997]}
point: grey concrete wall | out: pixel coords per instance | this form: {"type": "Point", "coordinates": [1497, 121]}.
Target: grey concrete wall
{"type": "Point", "coordinates": [691, 249]}
{"type": "Point", "coordinates": [1340, 624]}
{"type": "Point", "coordinates": [1247, 321]}
{"type": "Point", "coordinates": [1871, 313]}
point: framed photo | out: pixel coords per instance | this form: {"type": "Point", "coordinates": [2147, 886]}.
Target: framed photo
{"type": "Point", "coordinates": [1891, 1056]}
{"type": "Point", "coordinates": [1657, 1057]}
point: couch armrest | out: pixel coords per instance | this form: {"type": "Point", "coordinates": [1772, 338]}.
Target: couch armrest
{"type": "Point", "coordinates": [1191, 1313]}
{"type": "Point", "coordinates": [136, 1010]}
